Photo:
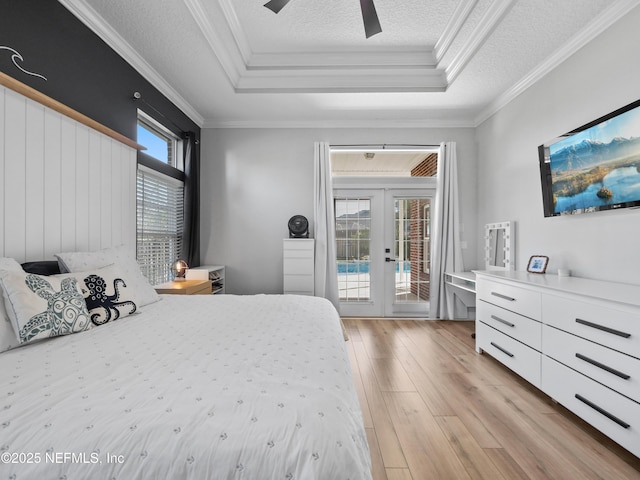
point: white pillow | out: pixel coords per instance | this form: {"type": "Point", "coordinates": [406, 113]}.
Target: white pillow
{"type": "Point", "coordinates": [42, 307]}
{"type": "Point", "coordinates": [7, 335]}
{"type": "Point", "coordinates": [106, 292]}
{"type": "Point", "coordinates": [123, 257]}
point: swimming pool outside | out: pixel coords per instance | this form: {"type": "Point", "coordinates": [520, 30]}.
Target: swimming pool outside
{"type": "Point", "coordinates": [362, 266]}
{"type": "Point", "coordinates": [354, 281]}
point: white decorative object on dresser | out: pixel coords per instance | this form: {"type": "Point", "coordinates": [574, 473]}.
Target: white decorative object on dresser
{"type": "Point", "coordinates": [576, 339]}
{"type": "Point", "coordinates": [298, 266]}
{"type": "Point", "coordinates": [215, 273]}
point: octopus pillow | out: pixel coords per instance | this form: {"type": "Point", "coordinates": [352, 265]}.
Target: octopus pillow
{"type": "Point", "coordinates": [106, 293]}
{"type": "Point", "coordinates": [41, 307]}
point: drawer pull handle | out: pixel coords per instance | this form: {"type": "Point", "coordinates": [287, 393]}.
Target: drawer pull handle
{"type": "Point", "coordinates": [504, 297]}
{"type": "Point", "coordinates": [498, 319]}
{"type": "Point", "coordinates": [602, 411]}
{"type": "Point", "coordinates": [603, 366]}
{"type": "Point", "coordinates": [502, 349]}
{"type": "Point", "coordinates": [603, 328]}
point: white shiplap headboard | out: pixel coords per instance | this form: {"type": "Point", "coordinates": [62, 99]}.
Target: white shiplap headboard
{"type": "Point", "coordinates": [64, 186]}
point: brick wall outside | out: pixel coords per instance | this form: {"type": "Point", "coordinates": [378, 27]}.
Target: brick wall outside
{"type": "Point", "coordinates": [419, 278]}
{"type": "Point", "coordinates": [427, 168]}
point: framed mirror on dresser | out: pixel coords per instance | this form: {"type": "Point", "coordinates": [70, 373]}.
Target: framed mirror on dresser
{"type": "Point", "coordinates": [499, 246]}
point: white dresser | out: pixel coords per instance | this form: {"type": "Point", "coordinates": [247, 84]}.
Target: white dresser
{"type": "Point", "coordinates": [578, 340]}
{"type": "Point", "coordinates": [298, 266]}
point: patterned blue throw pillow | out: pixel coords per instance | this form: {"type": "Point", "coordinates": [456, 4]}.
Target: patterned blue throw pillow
{"type": "Point", "coordinates": [41, 307]}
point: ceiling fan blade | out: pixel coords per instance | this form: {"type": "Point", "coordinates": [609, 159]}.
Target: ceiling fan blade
{"type": "Point", "coordinates": [276, 5]}
{"type": "Point", "coordinates": [370, 18]}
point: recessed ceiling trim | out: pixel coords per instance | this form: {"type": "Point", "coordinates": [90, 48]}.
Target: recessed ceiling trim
{"type": "Point", "coordinates": [87, 15]}
{"type": "Point", "coordinates": [487, 24]}
{"type": "Point", "coordinates": [608, 17]}
{"type": "Point", "coordinates": [236, 29]}
{"type": "Point", "coordinates": [451, 31]}
{"type": "Point", "coordinates": [312, 73]}
{"type": "Point", "coordinates": [364, 80]}
{"type": "Point", "coordinates": [230, 58]}
{"type": "Point", "coordinates": [400, 58]}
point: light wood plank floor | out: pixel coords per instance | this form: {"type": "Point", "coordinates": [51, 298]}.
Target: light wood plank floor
{"type": "Point", "coordinates": [435, 409]}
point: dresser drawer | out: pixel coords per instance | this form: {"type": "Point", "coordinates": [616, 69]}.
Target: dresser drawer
{"type": "Point", "coordinates": [609, 367]}
{"type": "Point", "coordinates": [611, 413]}
{"type": "Point", "coordinates": [612, 328]}
{"type": "Point", "coordinates": [298, 266]}
{"type": "Point", "coordinates": [512, 297]}
{"type": "Point", "coordinates": [299, 284]}
{"type": "Point", "coordinates": [300, 248]}
{"type": "Point", "coordinates": [521, 328]}
{"type": "Point", "coordinates": [518, 357]}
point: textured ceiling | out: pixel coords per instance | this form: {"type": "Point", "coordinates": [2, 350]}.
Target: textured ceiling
{"type": "Point", "coordinates": [311, 25]}
{"type": "Point", "coordinates": [234, 63]}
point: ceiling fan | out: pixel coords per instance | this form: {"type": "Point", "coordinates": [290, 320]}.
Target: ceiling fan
{"type": "Point", "coordinates": [369, 14]}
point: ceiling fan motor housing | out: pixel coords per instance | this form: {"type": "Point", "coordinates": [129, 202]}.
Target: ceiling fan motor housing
{"type": "Point", "coordinates": [298, 227]}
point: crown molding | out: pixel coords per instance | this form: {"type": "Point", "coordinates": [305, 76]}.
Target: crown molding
{"type": "Point", "coordinates": [342, 81]}
{"type": "Point", "coordinates": [102, 29]}
{"type": "Point", "coordinates": [392, 59]}
{"type": "Point", "coordinates": [240, 38]}
{"type": "Point", "coordinates": [230, 58]}
{"type": "Point", "coordinates": [485, 27]}
{"type": "Point", "coordinates": [451, 31]}
{"type": "Point", "coordinates": [332, 124]}
{"type": "Point", "coordinates": [320, 72]}
{"type": "Point", "coordinates": [597, 26]}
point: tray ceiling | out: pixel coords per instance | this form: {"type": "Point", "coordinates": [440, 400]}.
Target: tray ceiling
{"type": "Point", "coordinates": [230, 63]}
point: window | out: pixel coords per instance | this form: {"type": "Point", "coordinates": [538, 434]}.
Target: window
{"type": "Point", "coordinates": [161, 143]}
{"type": "Point", "coordinates": [160, 207]}
{"type": "Point", "coordinates": [159, 200]}
{"type": "Point", "coordinates": [353, 226]}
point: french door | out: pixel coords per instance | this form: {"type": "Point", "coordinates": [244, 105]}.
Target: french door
{"type": "Point", "coordinates": [383, 251]}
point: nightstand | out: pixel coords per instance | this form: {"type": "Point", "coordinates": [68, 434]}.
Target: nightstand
{"type": "Point", "coordinates": [185, 287]}
{"type": "Point", "coordinates": [215, 273]}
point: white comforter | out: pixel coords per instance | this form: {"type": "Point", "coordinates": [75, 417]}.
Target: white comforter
{"type": "Point", "coordinates": [198, 387]}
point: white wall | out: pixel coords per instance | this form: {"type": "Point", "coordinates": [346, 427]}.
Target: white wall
{"type": "Point", "coordinates": [598, 79]}
{"type": "Point", "coordinates": [254, 180]}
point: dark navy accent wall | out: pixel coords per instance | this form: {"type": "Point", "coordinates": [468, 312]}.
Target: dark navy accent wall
{"type": "Point", "coordinates": [82, 71]}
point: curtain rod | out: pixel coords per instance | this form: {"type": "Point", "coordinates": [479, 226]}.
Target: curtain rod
{"type": "Point", "coordinates": [137, 97]}
{"type": "Point", "coordinates": [384, 146]}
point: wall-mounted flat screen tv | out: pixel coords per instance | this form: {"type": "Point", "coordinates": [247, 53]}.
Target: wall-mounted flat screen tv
{"type": "Point", "coordinates": [594, 167]}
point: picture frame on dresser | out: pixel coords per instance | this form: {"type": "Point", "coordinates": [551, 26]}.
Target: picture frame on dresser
{"type": "Point", "coordinates": [538, 264]}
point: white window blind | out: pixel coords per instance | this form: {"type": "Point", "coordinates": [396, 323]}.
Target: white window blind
{"type": "Point", "coordinates": [160, 211]}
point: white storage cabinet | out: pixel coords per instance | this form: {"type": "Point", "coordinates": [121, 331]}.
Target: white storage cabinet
{"type": "Point", "coordinates": [576, 339]}
{"type": "Point", "coordinates": [298, 266]}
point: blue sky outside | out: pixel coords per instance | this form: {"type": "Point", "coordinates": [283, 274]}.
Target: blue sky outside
{"type": "Point", "coordinates": [156, 146]}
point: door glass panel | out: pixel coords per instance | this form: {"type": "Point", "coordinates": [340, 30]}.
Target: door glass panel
{"type": "Point", "coordinates": [412, 247]}
{"type": "Point", "coordinates": [353, 240]}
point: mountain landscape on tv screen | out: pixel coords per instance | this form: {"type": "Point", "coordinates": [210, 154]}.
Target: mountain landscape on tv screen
{"type": "Point", "coordinates": [590, 153]}
{"type": "Point", "coordinates": [593, 174]}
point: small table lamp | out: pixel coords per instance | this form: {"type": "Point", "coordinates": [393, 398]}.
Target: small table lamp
{"type": "Point", "coordinates": [180, 267]}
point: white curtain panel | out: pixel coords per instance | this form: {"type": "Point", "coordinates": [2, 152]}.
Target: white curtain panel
{"type": "Point", "coordinates": [446, 253]}
{"type": "Point", "coordinates": [326, 279]}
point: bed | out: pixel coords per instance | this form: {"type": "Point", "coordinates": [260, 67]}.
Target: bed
{"type": "Point", "coordinates": [188, 387]}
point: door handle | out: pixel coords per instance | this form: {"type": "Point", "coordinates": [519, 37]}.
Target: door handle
{"type": "Point", "coordinates": [389, 259]}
